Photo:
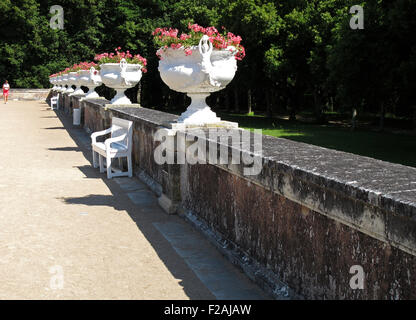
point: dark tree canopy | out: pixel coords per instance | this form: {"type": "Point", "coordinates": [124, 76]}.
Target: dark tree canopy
{"type": "Point", "coordinates": [301, 55]}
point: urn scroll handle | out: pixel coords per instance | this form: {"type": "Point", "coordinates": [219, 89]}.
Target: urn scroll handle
{"type": "Point", "coordinates": [123, 73]}
{"type": "Point", "coordinates": [93, 76]}
{"type": "Point", "coordinates": [205, 49]}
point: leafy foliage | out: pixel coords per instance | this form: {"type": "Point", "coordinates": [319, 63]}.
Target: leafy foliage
{"type": "Point", "coordinates": [300, 54]}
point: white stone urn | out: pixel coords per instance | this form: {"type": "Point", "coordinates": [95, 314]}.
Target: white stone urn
{"type": "Point", "coordinates": [90, 79]}
{"type": "Point", "coordinates": [198, 75]}
{"type": "Point", "coordinates": [60, 84]}
{"type": "Point", "coordinates": [55, 83]}
{"type": "Point", "coordinates": [69, 82]}
{"type": "Point", "coordinates": [52, 81]}
{"type": "Point", "coordinates": [120, 76]}
{"type": "Point", "coordinates": [74, 78]}
{"type": "Point", "coordinates": [64, 82]}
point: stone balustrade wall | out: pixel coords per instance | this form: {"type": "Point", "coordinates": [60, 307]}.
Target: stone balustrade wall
{"type": "Point", "coordinates": [28, 94]}
{"type": "Point", "coordinates": [302, 223]}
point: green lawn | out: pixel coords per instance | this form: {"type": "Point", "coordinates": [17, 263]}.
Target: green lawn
{"type": "Point", "coordinates": [397, 148]}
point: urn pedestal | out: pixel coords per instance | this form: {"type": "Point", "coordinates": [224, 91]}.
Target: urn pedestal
{"type": "Point", "coordinates": [90, 79]}
{"type": "Point", "coordinates": [52, 81]}
{"type": "Point", "coordinates": [120, 76]}
{"type": "Point", "coordinates": [69, 84]}
{"type": "Point", "coordinates": [74, 78]}
{"type": "Point", "coordinates": [59, 84]}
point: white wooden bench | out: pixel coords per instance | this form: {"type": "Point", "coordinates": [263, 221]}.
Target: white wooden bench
{"type": "Point", "coordinates": [118, 146]}
{"type": "Point", "coordinates": [55, 102]}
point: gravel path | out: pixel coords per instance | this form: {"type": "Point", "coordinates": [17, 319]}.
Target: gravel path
{"type": "Point", "coordinates": [66, 232]}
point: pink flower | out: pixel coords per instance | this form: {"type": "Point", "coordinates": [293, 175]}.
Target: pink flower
{"type": "Point", "coordinates": [169, 38]}
{"type": "Point", "coordinates": [188, 52]}
{"type": "Point", "coordinates": [118, 56]}
{"type": "Point", "coordinates": [184, 36]}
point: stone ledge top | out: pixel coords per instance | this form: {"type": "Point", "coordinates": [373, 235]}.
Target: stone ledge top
{"type": "Point", "coordinates": [29, 90]}
{"type": "Point", "coordinates": [389, 186]}
{"type": "Point", "coordinates": [97, 102]}
{"type": "Point", "coordinates": [153, 117]}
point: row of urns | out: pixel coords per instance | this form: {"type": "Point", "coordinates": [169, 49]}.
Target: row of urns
{"type": "Point", "coordinates": [198, 75]}
{"type": "Point", "coordinates": [111, 74]}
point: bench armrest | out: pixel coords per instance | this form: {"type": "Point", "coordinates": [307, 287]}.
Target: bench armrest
{"type": "Point", "coordinates": [109, 141]}
{"type": "Point", "coordinates": [99, 133]}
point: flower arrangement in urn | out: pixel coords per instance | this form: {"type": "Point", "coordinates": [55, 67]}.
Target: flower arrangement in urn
{"type": "Point", "coordinates": [58, 81]}
{"type": "Point", "coordinates": [120, 71]}
{"type": "Point", "coordinates": [67, 81]}
{"type": "Point", "coordinates": [74, 79]}
{"type": "Point", "coordinates": [168, 38]}
{"type": "Point", "coordinates": [62, 80]}
{"type": "Point", "coordinates": [53, 78]}
{"type": "Point", "coordinates": [89, 77]}
{"type": "Point", "coordinates": [197, 63]}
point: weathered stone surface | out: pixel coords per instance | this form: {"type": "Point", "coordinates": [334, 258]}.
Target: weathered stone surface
{"type": "Point", "coordinates": [308, 216]}
{"type": "Point", "coordinates": [149, 116]}
{"type": "Point", "coordinates": [300, 172]}
{"type": "Point", "coordinates": [96, 118]}
{"type": "Point", "coordinates": [309, 251]}
{"type": "Point", "coordinates": [29, 94]}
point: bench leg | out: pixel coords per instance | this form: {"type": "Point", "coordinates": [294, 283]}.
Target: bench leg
{"type": "Point", "coordinates": [120, 163]}
{"type": "Point", "coordinates": [129, 166]}
{"type": "Point", "coordinates": [108, 160]}
{"type": "Point", "coordinates": [94, 159]}
{"type": "Point", "coordinates": [100, 157]}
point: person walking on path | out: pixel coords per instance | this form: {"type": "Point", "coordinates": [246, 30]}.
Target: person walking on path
{"type": "Point", "coordinates": [6, 88]}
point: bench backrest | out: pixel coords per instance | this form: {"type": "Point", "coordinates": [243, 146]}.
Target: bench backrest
{"type": "Point", "coordinates": [120, 127]}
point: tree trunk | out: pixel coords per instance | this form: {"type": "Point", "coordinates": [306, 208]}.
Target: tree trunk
{"type": "Point", "coordinates": [249, 106]}
{"type": "Point", "coordinates": [227, 101]}
{"type": "Point", "coordinates": [414, 118]}
{"type": "Point", "coordinates": [167, 102]}
{"type": "Point", "coordinates": [382, 114]}
{"type": "Point", "coordinates": [236, 102]}
{"type": "Point", "coordinates": [319, 115]}
{"type": "Point", "coordinates": [331, 103]}
{"type": "Point", "coordinates": [292, 109]}
{"type": "Point", "coordinates": [353, 120]}
{"type": "Point", "coordinates": [269, 110]}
